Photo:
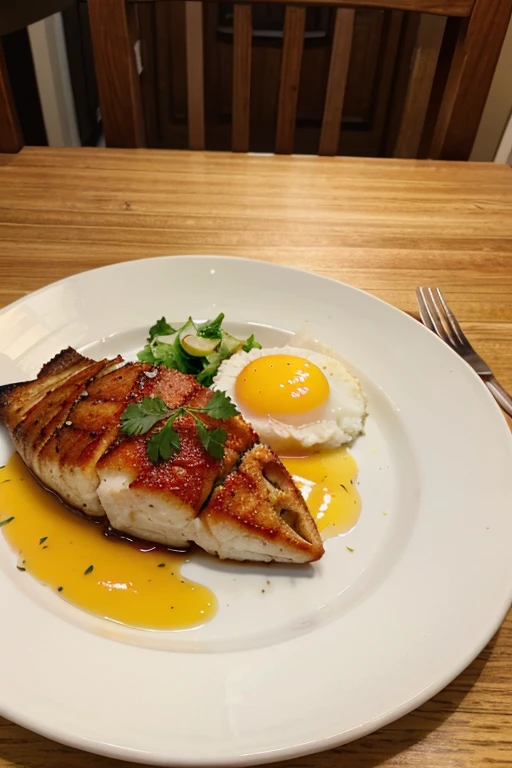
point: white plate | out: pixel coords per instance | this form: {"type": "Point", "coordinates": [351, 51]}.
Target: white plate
{"type": "Point", "coordinates": [316, 660]}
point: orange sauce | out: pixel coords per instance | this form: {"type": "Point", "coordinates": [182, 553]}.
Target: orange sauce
{"type": "Point", "coordinates": [136, 586]}
{"type": "Point", "coordinates": [326, 481]}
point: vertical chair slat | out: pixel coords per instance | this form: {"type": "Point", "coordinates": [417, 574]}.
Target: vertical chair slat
{"type": "Point", "coordinates": [11, 138]}
{"type": "Point", "coordinates": [116, 73]}
{"type": "Point", "coordinates": [195, 73]}
{"type": "Point", "coordinates": [422, 71]}
{"type": "Point", "coordinates": [477, 49]}
{"type": "Point", "coordinates": [149, 75]}
{"type": "Point", "coordinates": [242, 49]}
{"type": "Point", "coordinates": [293, 44]}
{"type": "Point", "coordinates": [444, 63]}
{"type": "Point", "coordinates": [337, 81]}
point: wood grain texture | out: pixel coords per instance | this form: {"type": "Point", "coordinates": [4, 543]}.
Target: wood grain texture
{"type": "Point", "coordinates": [11, 138]}
{"type": "Point", "coordinates": [422, 69]}
{"type": "Point", "coordinates": [337, 81]}
{"type": "Point", "coordinates": [476, 54]}
{"type": "Point", "coordinates": [116, 73]}
{"type": "Point", "coordinates": [441, 7]}
{"type": "Point", "coordinates": [171, 67]}
{"type": "Point", "coordinates": [387, 63]}
{"type": "Point", "coordinates": [401, 76]}
{"type": "Point", "coordinates": [385, 226]}
{"type": "Point", "coordinates": [242, 50]}
{"type": "Point", "coordinates": [293, 44]}
{"type": "Point", "coordinates": [195, 73]}
{"type": "Point", "coordinates": [450, 38]}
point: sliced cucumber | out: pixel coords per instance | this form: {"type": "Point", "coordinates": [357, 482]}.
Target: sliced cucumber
{"type": "Point", "coordinates": [229, 345]}
{"type": "Point", "coordinates": [187, 328]}
{"type": "Point", "coordinates": [197, 346]}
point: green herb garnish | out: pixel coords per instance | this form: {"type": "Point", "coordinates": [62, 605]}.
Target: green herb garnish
{"type": "Point", "coordinates": [160, 328]}
{"type": "Point", "coordinates": [89, 570]}
{"type": "Point", "coordinates": [219, 406]}
{"type": "Point", "coordinates": [43, 539]}
{"type": "Point", "coordinates": [164, 443]}
{"type": "Point", "coordinates": [211, 329]}
{"type": "Point", "coordinates": [213, 440]}
{"type": "Point", "coordinates": [203, 365]}
{"type": "Point", "coordinates": [139, 418]}
{"type": "Point", "coordinates": [146, 355]}
{"type": "Point", "coordinates": [4, 522]}
{"type": "Point", "coordinates": [251, 343]}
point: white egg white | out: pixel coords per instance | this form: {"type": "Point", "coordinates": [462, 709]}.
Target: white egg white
{"type": "Point", "coordinates": [335, 422]}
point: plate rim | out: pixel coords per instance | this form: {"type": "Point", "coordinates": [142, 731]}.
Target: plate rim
{"type": "Point", "coordinates": [335, 739]}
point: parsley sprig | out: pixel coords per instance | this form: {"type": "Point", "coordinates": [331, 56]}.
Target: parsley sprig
{"type": "Point", "coordinates": [139, 418]}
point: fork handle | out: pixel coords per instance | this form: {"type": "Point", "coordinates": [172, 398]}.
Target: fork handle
{"type": "Point", "coordinates": [500, 395]}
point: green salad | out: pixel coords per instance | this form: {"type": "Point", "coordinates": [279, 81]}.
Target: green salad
{"type": "Point", "coordinates": [198, 349]}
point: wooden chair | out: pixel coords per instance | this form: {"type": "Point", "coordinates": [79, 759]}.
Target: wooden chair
{"type": "Point", "coordinates": [451, 67]}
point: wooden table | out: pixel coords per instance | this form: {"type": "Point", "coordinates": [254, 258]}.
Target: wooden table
{"type": "Point", "coordinates": [385, 226]}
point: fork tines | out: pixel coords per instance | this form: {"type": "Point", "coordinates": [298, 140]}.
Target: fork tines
{"type": "Point", "coordinates": [437, 315]}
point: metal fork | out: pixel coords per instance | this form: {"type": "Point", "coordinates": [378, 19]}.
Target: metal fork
{"type": "Point", "coordinates": [438, 317]}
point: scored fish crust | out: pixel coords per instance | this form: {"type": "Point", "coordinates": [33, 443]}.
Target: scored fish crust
{"type": "Point", "coordinates": [259, 509]}
{"type": "Point", "coordinates": [66, 426]}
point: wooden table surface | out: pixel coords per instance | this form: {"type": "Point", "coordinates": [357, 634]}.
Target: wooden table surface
{"type": "Point", "coordinates": [381, 225]}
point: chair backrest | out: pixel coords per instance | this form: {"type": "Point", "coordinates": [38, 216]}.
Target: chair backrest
{"type": "Point", "coordinates": [451, 67]}
{"type": "Point", "coordinates": [456, 48]}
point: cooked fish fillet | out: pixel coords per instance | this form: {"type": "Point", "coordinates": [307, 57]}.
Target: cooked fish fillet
{"type": "Point", "coordinates": [66, 427]}
{"type": "Point", "coordinates": [258, 513]}
{"type": "Point", "coordinates": [61, 451]}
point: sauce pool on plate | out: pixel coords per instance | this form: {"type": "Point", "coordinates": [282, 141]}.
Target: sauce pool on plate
{"type": "Point", "coordinates": [141, 585]}
{"type": "Point", "coordinates": [137, 585]}
{"type": "Point", "coordinates": [326, 481]}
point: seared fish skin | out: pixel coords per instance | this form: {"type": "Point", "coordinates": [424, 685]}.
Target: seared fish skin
{"type": "Point", "coordinates": [66, 426]}
{"type": "Point", "coordinates": [44, 420]}
{"type": "Point", "coordinates": [257, 509]}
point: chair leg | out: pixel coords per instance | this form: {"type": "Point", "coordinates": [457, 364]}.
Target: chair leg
{"type": "Point", "coordinates": [477, 49]}
{"type": "Point", "coordinates": [11, 138]}
{"type": "Point", "coordinates": [116, 73]}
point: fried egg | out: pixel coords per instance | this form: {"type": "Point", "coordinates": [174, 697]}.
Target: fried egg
{"type": "Point", "coordinates": [298, 400]}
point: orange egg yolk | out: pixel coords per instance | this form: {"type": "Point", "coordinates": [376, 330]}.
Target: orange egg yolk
{"type": "Point", "coordinates": [281, 385]}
